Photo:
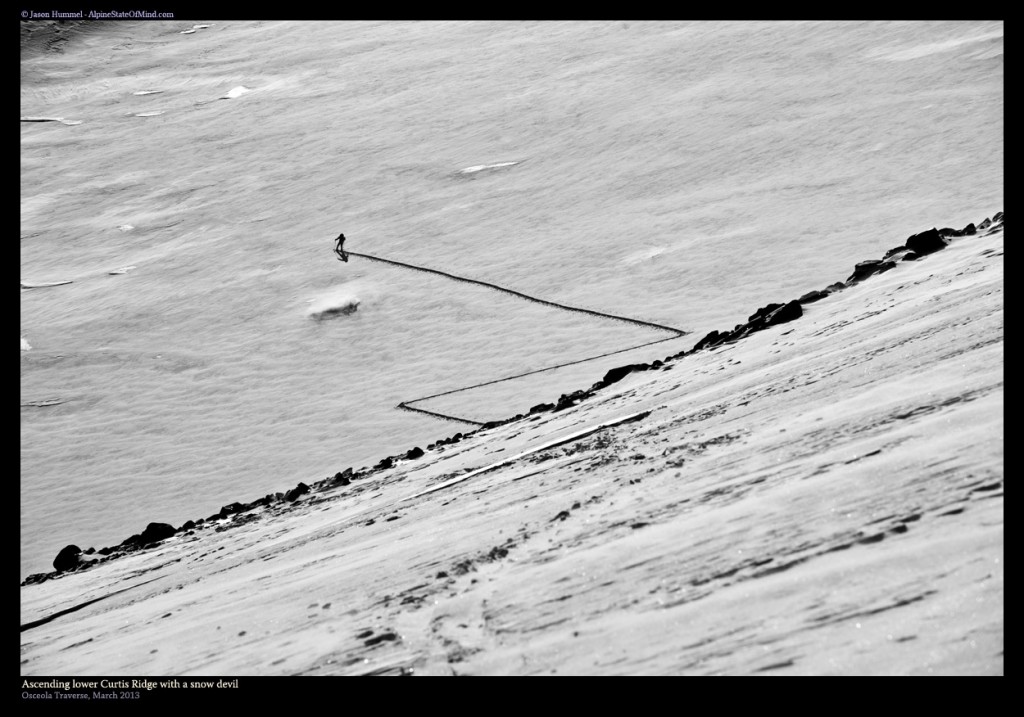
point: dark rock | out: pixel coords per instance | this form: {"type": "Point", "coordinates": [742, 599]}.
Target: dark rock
{"type": "Point", "coordinates": [89, 551]}
{"type": "Point", "coordinates": [106, 551]}
{"type": "Point", "coordinates": [740, 331]}
{"type": "Point", "coordinates": [785, 313]}
{"type": "Point", "coordinates": [867, 268]}
{"type": "Point", "coordinates": [416, 452]}
{"type": "Point", "coordinates": [763, 311]}
{"type": "Point", "coordinates": [67, 558]}
{"type": "Point", "coordinates": [657, 364]}
{"type": "Point", "coordinates": [187, 525]}
{"type": "Point", "coordinates": [300, 489]}
{"type": "Point", "coordinates": [832, 288]}
{"type": "Point", "coordinates": [950, 232]}
{"type": "Point", "coordinates": [984, 225]}
{"type": "Point", "coordinates": [377, 639]}
{"type": "Point", "coordinates": [561, 516]}
{"type": "Point", "coordinates": [969, 230]}
{"type": "Point", "coordinates": [618, 373]}
{"type": "Point", "coordinates": [200, 521]}
{"type": "Point", "coordinates": [571, 399]}
{"type": "Point", "coordinates": [541, 407]}
{"type": "Point", "coordinates": [385, 463]}
{"type": "Point", "coordinates": [895, 250]}
{"type": "Point", "coordinates": [926, 242]}
{"type": "Point", "coordinates": [441, 574]}
{"type": "Point", "coordinates": [997, 218]}
{"type": "Point", "coordinates": [812, 296]}
{"type": "Point", "coordinates": [911, 256]}
{"type": "Point", "coordinates": [211, 518]}
{"type": "Point", "coordinates": [343, 477]}
{"type": "Point", "coordinates": [708, 340]}
{"type": "Point", "coordinates": [155, 532]}
{"type": "Point", "coordinates": [491, 424]}
{"type": "Point", "coordinates": [130, 541]}
{"type": "Point", "coordinates": [233, 508]}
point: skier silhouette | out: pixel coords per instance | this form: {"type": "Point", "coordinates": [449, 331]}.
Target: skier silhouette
{"type": "Point", "coordinates": [339, 250]}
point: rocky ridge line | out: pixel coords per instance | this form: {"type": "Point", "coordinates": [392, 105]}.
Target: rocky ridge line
{"type": "Point", "coordinates": [73, 559]}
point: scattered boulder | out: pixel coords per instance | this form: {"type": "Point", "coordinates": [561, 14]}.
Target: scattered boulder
{"type": "Point", "coordinates": [67, 558]}
{"type": "Point", "coordinates": [620, 372]}
{"type": "Point", "coordinates": [155, 532]}
{"type": "Point", "coordinates": [833, 288]}
{"type": "Point", "coordinates": [763, 311]}
{"type": "Point", "coordinates": [300, 489]}
{"type": "Point", "coordinates": [570, 399]}
{"type": "Point", "coordinates": [541, 407]}
{"type": "Point", "coordinates": [416, 452]}
{"type": "Point", "coordinates": [969, 230]}
{"type": "Point", "coordinates": [785, 313]}
{"type": "Point", "coordinates": [233, 508]}
{"type": "Point", "coordinates": [926, 242]}
{"type": "Point", "coordinates": [709, 340]}
{"type": "Point", "coordinates": [187, 525]}
{"type": "Point", "coordinates": [865, 269]}
{"type": "Point", "coordinates": [343, 477]}
{"type": "Point", "coordinates": [131, 541]}
{"type": "Point", "coordinates": [88, 551]}
{"type": "Point", "coordinates": [997, 217]}
{"type": "Point", "coordinates": [984, 225]}
{"type": "Point", "coordinates": [385, 463]}
{"type": "Point", "coordinates": [812, 296]}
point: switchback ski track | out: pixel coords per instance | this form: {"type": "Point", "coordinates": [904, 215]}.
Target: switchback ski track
{"type": "Point", "coordinates": [407, 405]}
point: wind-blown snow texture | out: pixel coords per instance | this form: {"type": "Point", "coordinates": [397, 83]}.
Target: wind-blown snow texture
{"type": "Point", "coordinates": [679, 173]}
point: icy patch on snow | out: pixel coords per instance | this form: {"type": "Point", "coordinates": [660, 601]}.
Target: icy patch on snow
{"type": "Point", "coordinates": [481, 167]}
{"type": "Point", "coordinates": [644, 254]}
{"type": "Point", "coordinates": [235, 92]}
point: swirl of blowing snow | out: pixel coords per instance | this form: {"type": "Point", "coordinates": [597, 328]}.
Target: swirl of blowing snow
{"type": "Point", "coordinates": [339, 300]}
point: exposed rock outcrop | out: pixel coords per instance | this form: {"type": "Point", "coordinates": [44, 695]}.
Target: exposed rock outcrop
{"type": "Point", "coordinates": [926, 242]}
{"type": "Point", "coordinates": [67, 558]}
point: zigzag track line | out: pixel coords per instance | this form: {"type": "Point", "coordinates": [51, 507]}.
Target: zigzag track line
{"type": "Point", "coordinates": [406, 405]}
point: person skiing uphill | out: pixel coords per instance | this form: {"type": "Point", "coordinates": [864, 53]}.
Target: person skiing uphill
{"type": "Point", "coordinates": [339, 248]}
